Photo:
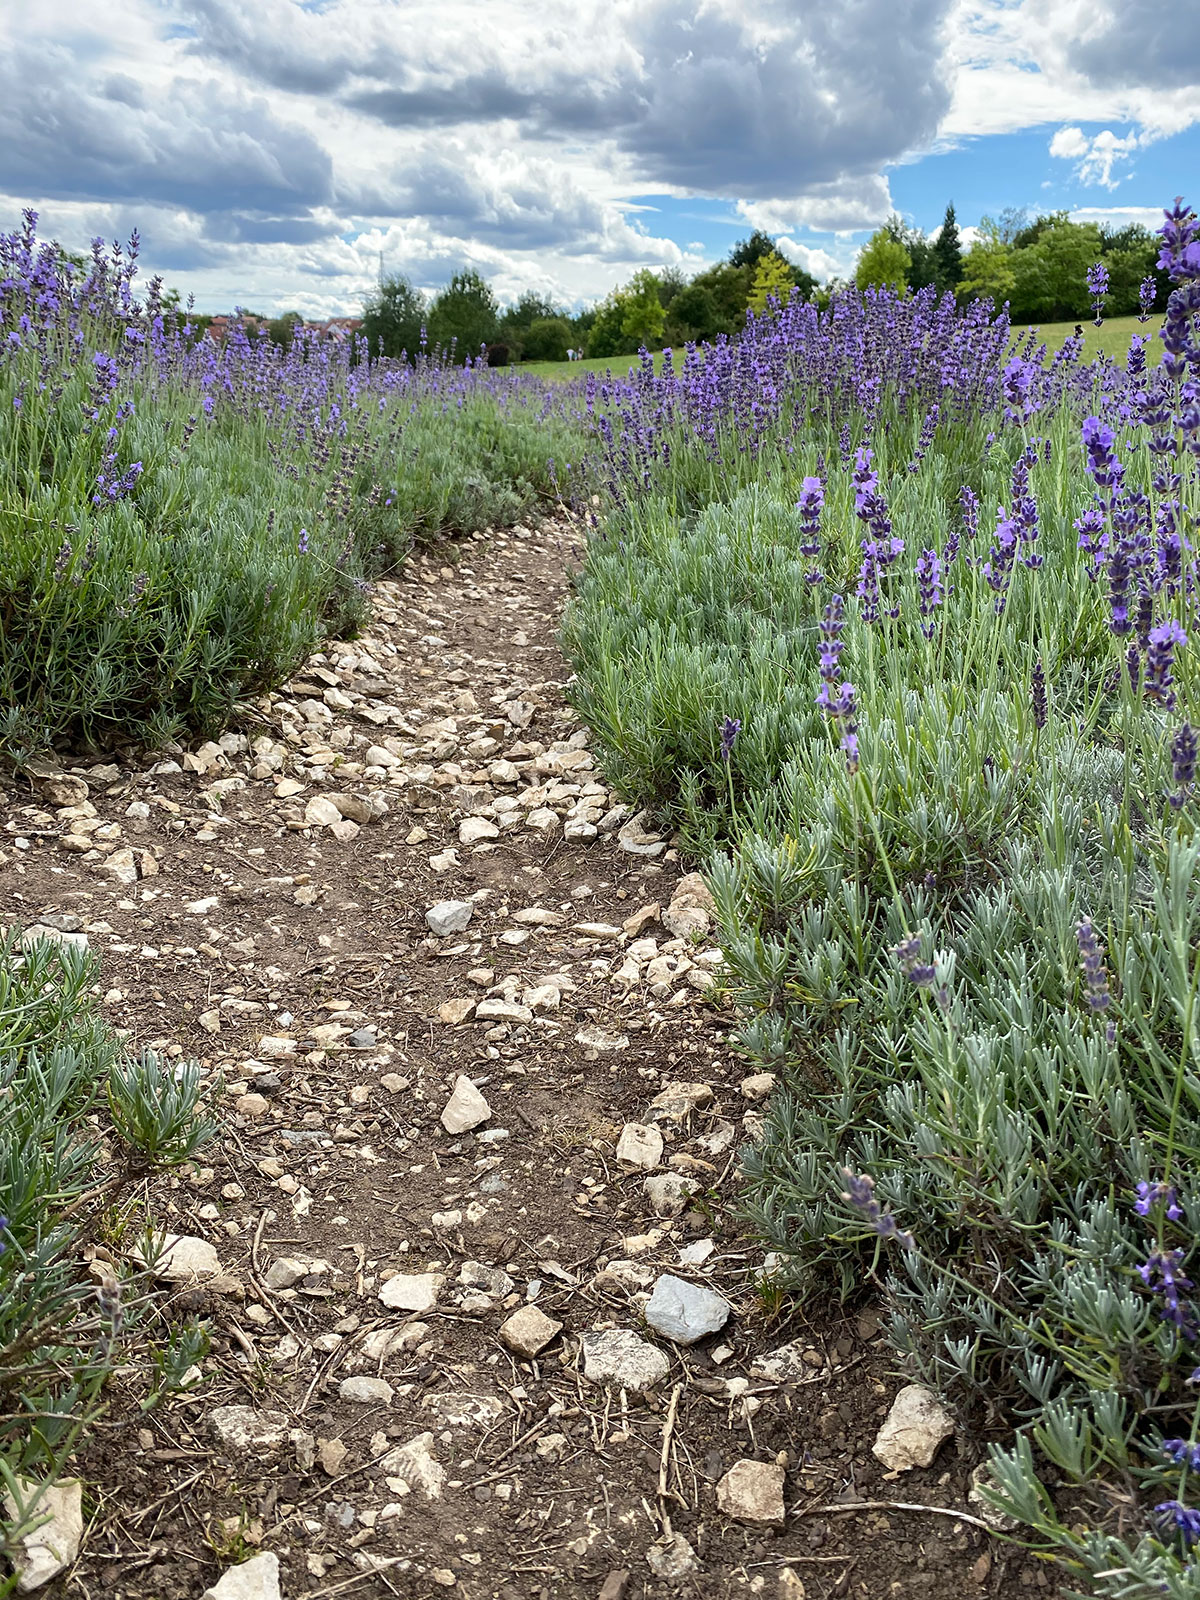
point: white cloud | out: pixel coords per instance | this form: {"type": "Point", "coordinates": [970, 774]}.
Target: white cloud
{"type": "Point", "coordinates": [1069, 144]}
{"type": "Point", "coordinates": [823, 264]}
{"type": "Point", "coordinates": [1095, 159]}
{"type": "Point", "coordinates": [845, 207]}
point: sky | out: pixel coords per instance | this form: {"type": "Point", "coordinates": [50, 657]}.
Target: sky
{"type": "Point", "coordinates": [274, 154]}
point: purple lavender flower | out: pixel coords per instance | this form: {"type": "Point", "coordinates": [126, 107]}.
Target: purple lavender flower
{"type": "Point", "coordinates": [838, 700]}
{"type": "Point", "coordinates": [1160, 659]}
{"type": "Point", "coordinates": [302, 542]}
{"type": "Point", "coordinates": [62, 560]}
{"type": "Point", "coordinates": [908, 958]}
{"type": "Point", "coordinates": [969, 502]}
{"type": "Point", "coordinates": [1183, 763]}
{"type": "Point", "coordinates": [1093, 539]}
{"type": "Point", "coordinates": [1099, 440]}
{"type": "Point", "coordinates": [860, 1193]}
{"type": "Point", "coordinates": [1091, 959]}
{"type": "Point", "coordinates": [812, 498]}
{"type": "Point", "coordinates": [1161, 1273]}
{"type": "Point", "coordinates": [1037, 690]}
{"type": "Point", "coordinates": [1183, 1453]}
{"type": "Point", "coordinates": [1180, 1519]}
{"type": "Point", "coordinates": [929, 588]}
{"type": "Point", "coordinates": [833, 620]}
{"type": "Point", "coordinates": [1179, 256]}
{"type": "Point", "coordinates": [1097, 288]}
{"type": "Point", "coordinates": [997, 569]}
{"type": "Point", "coordinates": [1150, 1195]}
{"type": "Point", "coordinates": [1147, 293]}
{"type": "Point", "coordinates": [730, 729]}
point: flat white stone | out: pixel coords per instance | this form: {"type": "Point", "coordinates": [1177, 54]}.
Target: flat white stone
{"type": "Point", "coordinates": [256, 1579]}
{"type": "Point", "coordinates": [412, 1291]}
{"type": "Point", "coordinates": [48, 1549]}
{"type": "Point", "coordinates": [686, 1312]}
{"type": "Point", "coordinates": [466, 1107]}
{"type": "Point", "coordinates": [449, 916]}
{"type": "Point", "coordinates": [640, 1146]}
{"type": "Point", "coordinates": [915, 1429]}
{"type": "Point", "coordinates": [618, 1358]}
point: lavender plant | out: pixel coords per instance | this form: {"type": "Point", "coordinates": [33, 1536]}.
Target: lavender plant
{"type": "Point", "coordinates": [180, 522]}
{"type": "Point", "coordinates": [65, 1328]}
{"type": "Point", "coordinates": [971, 952]}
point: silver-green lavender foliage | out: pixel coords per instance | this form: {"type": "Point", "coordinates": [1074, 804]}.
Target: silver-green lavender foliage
{"type": "Point", "coordinates": [63, 1331]}
{"type": "Point", "coordinates": [962, 917]}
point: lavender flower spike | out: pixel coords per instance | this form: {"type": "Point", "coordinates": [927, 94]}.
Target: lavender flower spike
{"type": "Point", "coordinates": [908, 957]}
{"type": "Point", "coordinates": [1184, 1520]}
{"type": "Point", "coordinates": [1097, 287]}
{"type": "Point", "coordinates": [1091, 958]}
{"type": "Point", "coordinates": [860, 1193]}
{"type": "Point", "coordinates": [1160, 658]}
{"type": "Point", "coordinates": [1183, 763]}
{"type": "Point", "coordinates": [730, 729]}
{"type": "Point", "coordinates": [1150, 1195]}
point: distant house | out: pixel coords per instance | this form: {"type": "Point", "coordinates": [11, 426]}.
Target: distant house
{"type": "Point", "coordinates": [337, 329]}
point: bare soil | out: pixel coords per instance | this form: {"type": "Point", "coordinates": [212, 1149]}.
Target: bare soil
{"type": "Point", "coordinates": [299, 965]}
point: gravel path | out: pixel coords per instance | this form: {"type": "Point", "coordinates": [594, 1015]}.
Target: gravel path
{"type": "Point", "coordinates": [482, 1320]}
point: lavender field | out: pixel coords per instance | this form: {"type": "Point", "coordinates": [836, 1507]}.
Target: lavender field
{"type": "Point", "coordinates": [890, 615]}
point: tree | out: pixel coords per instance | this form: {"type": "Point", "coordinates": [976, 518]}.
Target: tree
{"type": "Point", "coordinates": [987, 271]}
{"type": "Point", "coordinates": [643, 318]}
{"type": "Point", "coordinates": [547, 339]}
{"type": "Point", "coordinates": [884, 263]}
{"type": "Point", "coordinates": [517, 319]}
{"type": "Point", "coordinates": [1007, 226]}
{"type": "Point", "coordinates": [947, 252]}
{"type": "Point", "coordinates": [464, 316]}
{"type": "Point", "coordinates": [749, 252]}
{"type": "Point", "coordinates": [693, 315]}
{"type": "Point", "coordinates": [393, 317]}
{"type": "Point", "coordinates": [804, 281]}
{"type": "Point", "coordinates": [606, 336]}
{"type": "Point", "coordinates": [671, 282]}
{"type": "Point", "coordinates": [1051, 269]}
{"type": "Point", "coordinates": [772, 281]}
{"type": "Point", "coordinates": [729, 288]}
{"type": "Point", "coordinates": [281, 330]}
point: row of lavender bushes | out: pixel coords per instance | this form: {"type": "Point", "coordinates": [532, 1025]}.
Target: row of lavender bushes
{"type": "Point", "coordinates": [181, 522]}
{"type": "Point", "coordinates": [897, 624]}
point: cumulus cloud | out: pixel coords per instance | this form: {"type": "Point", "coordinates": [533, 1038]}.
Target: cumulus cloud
{"type": "Point", "coordinates": [845, 207]}
{"type": "Point", "coordinates": [1095, 159]}
{"type": "Point", "coordinates": [195, 144]}
{"type": "Point", "coordinates": [717, 97]}
{"type": "Point", "coordinates": [262, 148]}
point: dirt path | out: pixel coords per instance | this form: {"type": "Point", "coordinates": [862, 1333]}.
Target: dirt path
{"type": "Point", "coordinates": [412, 1327]}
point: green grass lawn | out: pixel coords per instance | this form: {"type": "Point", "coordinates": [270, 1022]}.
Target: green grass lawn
{"type": "Point", "coordinates": [1110, 340]}
{"type": "Point", "coordinates": [619, 366]}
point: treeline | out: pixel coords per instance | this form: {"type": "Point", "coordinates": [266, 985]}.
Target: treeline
{"type": "Point", "coordinates": [1039, 266]}
{"type": "Point", "coordinates": [652, 309]}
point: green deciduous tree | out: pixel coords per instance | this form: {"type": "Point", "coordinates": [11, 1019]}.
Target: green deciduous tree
{"type": "Point", "coordinates": [464, 316]}
{"type": "Point", "coordinates": [987, 271]}
{"type": "Point", "coordinates": [642, 317]}
{"type": "Point", "coordinates": [393, 317]}
{"type": "Point", "coordinates": [772, 281]}
{"type": "Point", "coordinates": [547, 339]}
{"type": "Point", "coordinates": [1051, 269]}
{"type": "Point", "coordinates": [884, 263]}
